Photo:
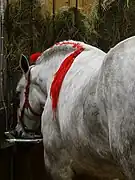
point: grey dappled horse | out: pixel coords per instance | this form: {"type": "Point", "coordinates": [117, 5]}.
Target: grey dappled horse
{"type": "Point", "coordinates": [93, 131]}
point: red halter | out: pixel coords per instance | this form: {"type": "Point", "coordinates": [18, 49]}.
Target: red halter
{"type": "Point", "coordinates": [27, 105]}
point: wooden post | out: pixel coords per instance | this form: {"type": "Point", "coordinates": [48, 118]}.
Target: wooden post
{"type": "Point", "coordinates": [76, 12]}
{"type": "Point", "coordinates": [76, 4]}
{"type": "Point", "coordinates": [3, 65]}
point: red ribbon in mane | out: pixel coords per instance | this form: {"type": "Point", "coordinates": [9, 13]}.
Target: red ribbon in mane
{"type": "Point", "coordinates": [60, 74]}
{"type": "Point", "coordinates": [34, 57]}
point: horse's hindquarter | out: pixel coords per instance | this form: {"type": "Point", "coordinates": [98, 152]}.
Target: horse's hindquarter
{"type": "Point", "coordinates": [78, 112]}
{"type": "Point", "coordinates": [116, 92]}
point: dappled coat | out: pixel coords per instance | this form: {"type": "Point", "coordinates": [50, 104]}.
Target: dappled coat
{"type": "Point", "coordinates": [91, 128]}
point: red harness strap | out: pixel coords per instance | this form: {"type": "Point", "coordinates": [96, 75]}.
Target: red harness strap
{"type": "Point", "coordinates": [27, 105]}
{"type": "Point", "coordinates": [60, 74]}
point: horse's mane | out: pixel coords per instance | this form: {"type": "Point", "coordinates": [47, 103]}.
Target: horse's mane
{"type": "Point", "coordinates": [63, 46]}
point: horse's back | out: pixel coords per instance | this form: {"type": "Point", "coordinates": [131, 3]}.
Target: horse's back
{"type": "Point", "coordinates": [78, 82]}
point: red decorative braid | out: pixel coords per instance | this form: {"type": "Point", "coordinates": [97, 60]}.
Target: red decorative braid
{"type": "Point", "coordinates": [60, 74]}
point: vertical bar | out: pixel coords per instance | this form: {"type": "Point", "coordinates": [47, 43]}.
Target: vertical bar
{"type": "Point", "coordinates": [31, 25]}
{"type": "Point", "coordinates": [11, 164]}
{"type": "Point", "coordinates": [3, 64]}
{"type": "Point", "coordinates": [121, 5]}
{"type": "Point", "coordinates": [12, 152]}
{"type": "Point", "coordinates": [53, 7]}
{"type": "Point", "coordinates": [99, 25]}
{"type": "Point", "coordinates": [7, 68]}
{"type": "Point", "coordinates": [100, 7]}
{"type": "Point", "coordinates": [53, 10]}
{"type": "Point", "coordinates": [76, 11]}
{"type": "Point", "coordinates": [8, 72]}
{"type": "Point", "coordinates": [76, 4]}
{"type": "Point", "coordinates": [69, 3]}
{"type": "Point", "coordinates": [83, 3]}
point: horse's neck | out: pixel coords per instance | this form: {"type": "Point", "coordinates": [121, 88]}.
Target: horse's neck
{"type": "Point", "coordinates": [49, 68]}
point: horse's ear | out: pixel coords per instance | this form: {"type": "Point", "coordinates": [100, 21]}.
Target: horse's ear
{"type": "Point", "coordinates": [24, 64]}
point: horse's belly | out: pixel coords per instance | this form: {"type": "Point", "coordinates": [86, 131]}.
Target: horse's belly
{"type": "Point", "coordinates": [83, 134]}
{"type": "Point", "coordinates": [97, 166]}
{"type": "Point", "coordinates": [84, 139]}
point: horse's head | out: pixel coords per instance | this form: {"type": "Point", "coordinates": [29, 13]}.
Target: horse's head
{"type": "Point", "coordinates": [31, 99]}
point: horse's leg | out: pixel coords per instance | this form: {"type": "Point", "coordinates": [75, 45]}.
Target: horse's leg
{"type": "Point", "coordinates": [58, 165]}
{"type": "Point", "coordinates": [122, 151]}
{"type": "Point", "coordinates": [57, 159]}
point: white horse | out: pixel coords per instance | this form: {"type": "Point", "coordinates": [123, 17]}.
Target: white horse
{"type": "Point", "coordinates": [92, 131]}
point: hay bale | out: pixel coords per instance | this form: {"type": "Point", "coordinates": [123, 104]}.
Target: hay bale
{"type": "Point", "coordinates": [28, 28]}
{"type": "Point", "coordinates": [25, 29]}
{"type": "Point", "coordinates": [71, 23]}
{"type": "Point", "coordinates": [113, 21]}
